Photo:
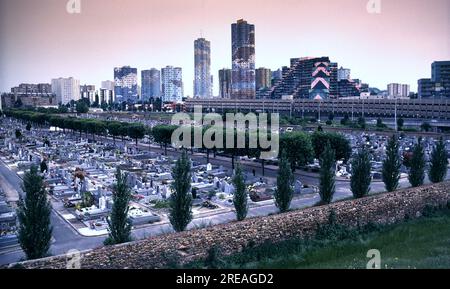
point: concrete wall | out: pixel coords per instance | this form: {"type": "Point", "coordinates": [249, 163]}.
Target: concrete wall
{"type": "Point", "coordinates": [152, 253]}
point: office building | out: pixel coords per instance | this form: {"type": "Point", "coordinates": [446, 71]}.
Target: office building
{"type": "Point", "coordinates": [397, 90]}
{"type": "Point", "coordinates": [66, 89]}
{"type": "Point", "coordinates": [263, 78]}
{"type": "Point", "coordinates": [225, 83]}
{"type": "Point", "coordinates": [438, 86]}
{"type": "Point", "coordinates": [27, 88]}
{"type": "Point", "coordinates": [334, 79]}
{"type": "Point", "coordinates": [202, 73]}
{"type": "Point", "coordinates": [172, 84]}
{"type": "Point", "coordinates": [425, 88]}
{"type": "Point", "coordinates": [88, 92]}
{"type": "Point", "coordinates": [320, 85]}
{"type": "Point", "coordinates": [440, 75]}
{"type": "Point", "coordinates": [151, 84]}
{"type": "Point", "coordinates": [343, 74]}
{"type": "Point", "coordinates": [243, 84]}
{"type": "Point", "coordinates": [126, 85]}
{"type": "Point", "coordinates": [298, 79]}
{"type": "Point", "coordinates": [108, 84]}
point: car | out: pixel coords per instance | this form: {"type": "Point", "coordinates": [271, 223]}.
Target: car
{"type": "Point", "coordinates": [289, 129]}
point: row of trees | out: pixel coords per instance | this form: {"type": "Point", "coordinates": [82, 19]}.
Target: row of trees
{"type": "Point", "coordinates": [92, 127]}
{"type": "Point", "coordinates": [300, 147]}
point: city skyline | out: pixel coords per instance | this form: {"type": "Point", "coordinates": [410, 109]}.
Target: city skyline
{"type": "Point", "coordinates": [86, 45]}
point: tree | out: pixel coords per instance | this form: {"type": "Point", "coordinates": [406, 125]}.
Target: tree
{"type": "Point", "coordinates": [338, 143]}
{"type": "Point", "coordinates": [28, 127]}
{"type": "Point", "coordinates": [392, 165]}
{"type": "Point", "coordinates": [380, 123]}
{"type": "Point", "coordinates": [285, 181]}
{"type": "Point", "coordinates": [114, 129]}
{"type": "Point", "coordinates": [18, 134]}
{"type": "Point", "coordinates": [136, 132]}
{"type": "Point", "coordinates": [43, 166]}
{"type": "Point", "coordinates": [345, 121]}
{"type": "Point", "coordinates": [361, 174]}
{"type": "Point", "coordinates": [82, 107]}
{"type": "Point", "coordinates": [327, 175]}
{"type": "Point", "coordinates": [35, 230]}
{"type": "Point", "coordinates": [240, 195]}
{"type": "Point", "coordinates": [157, 105]}
{"type": "Point", "coordinates": [417, 171]}
{"type": "Point", "coordinates": [400, 123]}
{"type": "Point", "coordinates": [119, 226]}
{"type": "Point", "coordinates": [162, 134]}
{"type": "Point", "coordinates": [426, 126]}
{"type": "Point", "coordinates": [62, 109]}
{"type": "Point", "coordinates": [438, 163]}
{"type": "Point", "coordinates": [180, 211]}
{"type": "Point", "coordinates": [298, 148]}
{"type": "Point", "coordinates": [362, 122]}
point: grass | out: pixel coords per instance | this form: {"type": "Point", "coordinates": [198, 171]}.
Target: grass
{"type": "Point", "coordinates": [422, 243]}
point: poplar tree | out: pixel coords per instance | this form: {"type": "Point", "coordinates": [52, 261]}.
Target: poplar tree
{"type": "Point", "coordinates": [119, 225]}
{"type": "Point", "coordinates": [417, 170]}
{"type": "Point", "coordinates": [439, 163]}
{"type": "Point", "coordinates": [327, 175]}
{"type": "Point", "coordinates": [33, 212]}
{"type": "Point", "coordinates": [285, 180]}
{"type": "Point", "coordinates": [180, 211]}
{"type": "Point", "coordinates": [361, 174]}
{"type": "Point", "coordinates": [240, 195]}
{"type": "Point", "coordinates": [392, 165]}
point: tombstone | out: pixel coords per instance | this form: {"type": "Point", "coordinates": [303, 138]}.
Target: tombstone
{"type": "Point", "coordinates": [222, 185]}
{"type": "Point", "coordinates": [102, 203]}
{"type": "Point", "coordinates": [216, 182]}
{"type": "Point", "coordinates": [84, 185]}
{"type": "Point", "coordinates": [99, 191]}
{"type": "Point", "coordinates": [229, 189]}
{"type": "Point", "coordinates": [298, 186]}
{"type": "Point", "coordinates": [131, 180]}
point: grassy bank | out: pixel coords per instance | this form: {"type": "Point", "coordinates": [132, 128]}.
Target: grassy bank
{"type": "Point", "coordinates": [420, 243]}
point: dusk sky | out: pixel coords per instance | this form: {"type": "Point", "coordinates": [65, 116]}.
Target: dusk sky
{"type": "Point", "coordinates": [40, 40]}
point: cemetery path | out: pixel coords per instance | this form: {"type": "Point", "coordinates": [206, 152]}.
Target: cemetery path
{"type": "Point", "coordinates": [65, 237]}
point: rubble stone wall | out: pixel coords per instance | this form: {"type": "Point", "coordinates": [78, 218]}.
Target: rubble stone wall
{"type": "Point", "coordinates": [155, 252]}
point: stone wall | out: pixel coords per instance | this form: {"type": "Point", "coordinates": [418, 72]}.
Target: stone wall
{"type": "Point", "coordinates": [154, 252]}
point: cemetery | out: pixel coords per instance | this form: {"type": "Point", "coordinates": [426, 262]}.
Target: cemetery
{"type": "Point", "coordinates": [80, 173]}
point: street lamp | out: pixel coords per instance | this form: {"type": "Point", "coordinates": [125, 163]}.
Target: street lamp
{"type": "Point", "coordinates": [395, 115]}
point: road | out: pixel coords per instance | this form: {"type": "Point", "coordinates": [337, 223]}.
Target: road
{"type": "Point", "coordinates": [64, 236]}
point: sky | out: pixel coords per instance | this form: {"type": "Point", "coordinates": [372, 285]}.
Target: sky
{"type": "Point", "coordinates": [40, 40]}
